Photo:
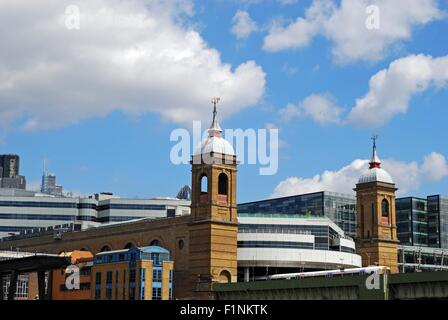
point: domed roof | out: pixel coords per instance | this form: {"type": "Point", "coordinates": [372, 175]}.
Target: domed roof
{"type": "Point", "coordinates": [214, 142]}
{"type": "Point", "coordinates": [375, 173]}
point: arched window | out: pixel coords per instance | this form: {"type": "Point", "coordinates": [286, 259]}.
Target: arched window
{"type": "Point", "coordinates": [203, 196]}
{"type": "Point", "coordinates": [223, 184]}
{"type": "Point", "coordinates": [204, 183]}
{"type": "Point", "coordinates": [385, 208]}
{"type": "Point", "coordinates": [105, 248]}
{"type": "Point", "coordinates": [129, 245]}
{"type": "Point", "coordinates": [225, 276]}
{"type": "Point", "coordinates": [155, 242]}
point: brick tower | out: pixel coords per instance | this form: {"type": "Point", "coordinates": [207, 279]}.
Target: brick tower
{"type": "Point", "coordinates": [376, 228]}
{"type": "Point", "coordinates": [213, 229]}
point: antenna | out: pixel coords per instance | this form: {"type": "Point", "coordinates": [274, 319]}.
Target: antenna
{"type": "Point", "coordinates": [45, 165]}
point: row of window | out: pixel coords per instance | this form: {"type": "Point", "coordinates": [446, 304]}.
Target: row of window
{"type": "Point", "coordinates": [275, 244]}
{"type": "Point", "coordinates": [156, 290]}
{"type": "Point", "coordinates": [74, 205]}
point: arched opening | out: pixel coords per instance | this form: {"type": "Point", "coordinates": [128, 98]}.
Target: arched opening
{"type": "Point", "coordinates": [203, 197]}
{"type": "Point", "coordinates": [223, 184]}
{"type": "Point", "coordinates": [225, 277]}
{"type": "Point", "coordinates": [385, 208]}
{"type": "Point", "coordinates": [129, 245]}
{"type": "Point", "coordinates": [223, 188]}
{"type": "Point", "coordinates": [106, 248]}
{"type": "Point", "coordinates": [155, 242]}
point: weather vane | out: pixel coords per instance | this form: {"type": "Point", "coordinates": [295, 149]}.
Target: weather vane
{"type": "Point", "coordinates": [215, 101]}
{"type": "Point", "coordinates": [374, 138]}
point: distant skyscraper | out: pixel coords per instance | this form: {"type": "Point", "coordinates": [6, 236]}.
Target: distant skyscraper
{"type": "Point", "coordinates": [10, 165]}
{"type": "Point", "coordinates": [184, 193]}
{"type": "Point", "coordinates": [9, 172]}
{"type": "Point", "coordinates": [49, 185]}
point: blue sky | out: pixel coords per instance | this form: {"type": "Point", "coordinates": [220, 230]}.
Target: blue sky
{"type": "Point", "coordinates": [125, 149]}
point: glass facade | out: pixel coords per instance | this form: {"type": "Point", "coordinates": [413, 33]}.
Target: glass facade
{"type": "Point", "coordinates": [438, 221]}
{"type": "Point", "coordinates": [340, 208]}
{"type": "Point", "coordinates": [412, 221]}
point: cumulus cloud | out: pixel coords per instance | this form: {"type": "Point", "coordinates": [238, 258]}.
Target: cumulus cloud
{"type": "Point", "coordinates": [435, 167]}
{"type": "Point", "coordinates": [345, 27]}
{"type": "Point", "coordinates": [407, 176]}
{"type": "Point", "coordinates": [319, 107]}
{"type": "Point", "coordinates": [243, 25]}
{"type": "Point", "coordinates": [391, 90]}
{"type": "Point", "coordinates": [135, 56]}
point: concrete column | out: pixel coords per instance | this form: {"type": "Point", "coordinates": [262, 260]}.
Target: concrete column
{"type": "Point", "coordinates": [246, 274]}
{"type": "Point", "coordinates": [12, 285]}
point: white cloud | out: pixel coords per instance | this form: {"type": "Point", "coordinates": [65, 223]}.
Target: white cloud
{"type": "Point", "coordinates": [301, 32]}
{"type": "Point", "coordinates": [345, 27]}
{"type": "Point", "coordinates": [132, 56]}
{"type": "Point", "coordinates": [392, 89]}
{"type": "Point", "coordinates": [407, 176]}
{"type": "Point", "coordinates": [243, 25]}
{"type": "Point", "coordinates": [319, 107]}
{"type": "Point", "coordinates": [435, 167]}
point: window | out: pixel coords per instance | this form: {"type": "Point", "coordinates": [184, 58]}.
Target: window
{"type": "Point", "coordinates": [124, 284]}
{"type": "Point", "coordinates": [109, 285]}
{"type": "Point", "coordinates": [385, 208]}
{"type": "Point", "coordinates": [181, 244]}
{"type": "Point", "coordinates": [116, 285]}
{"type": "Point", "coordinates": [98, 278]}
{"type": "Point", "coordinates": [156, 293]}
{"type": "Point", "coordinates": [155, 257]}
{"type": "Point", "coordinates": [131, 275]}
{"type": "Point", "coordinates": [223, 182]}
{"type": "Point", "coordinates": [98, 286]}
{"type": "Point", "coordinates": [157, 275]}
{"type": "Point", "coordinates": [204, 183]}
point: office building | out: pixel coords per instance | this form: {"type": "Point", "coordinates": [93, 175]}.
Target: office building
{"type": "Point", "coordinates": [412, 221]}
{"type": "Point", "coordinates": [144, 273]}
{"type": "Point", "coordinates": [340, 208]}
{"type": "Point", "coordinates": [25, 212]}
{"type": "Point", "coordinates": [272, 244]}
{"type": "Point", "coordinates": [10, 177]}
{"type": "Point", "coordinates": [438, 221]}
{"type": "Point", "coordinates": [49, 185]}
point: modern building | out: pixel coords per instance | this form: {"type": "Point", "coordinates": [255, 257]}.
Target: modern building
{"type": "Point", "coordinates": [340, 208]}
{"type": "Point", "coordinates": [412, 221]}
{"type": "Point", "coordinates": [184, 193]}
{"type": "Point", "coordinates": [133, 274]}
{"type": "Point", "coordinates": [418, 259]}
{"type": "Point", "coordinates": [20, 214]}
{"type": "Point", "coordinates": [83, 262]}
{"type": "Point", "coordinates": [438, 221]}
{"type": "Point", "coordinates": [10, 172]}
{"type": "Point", "coordinates": [49, 185]}
{"type": "Point", "coordinates": [272, 244]}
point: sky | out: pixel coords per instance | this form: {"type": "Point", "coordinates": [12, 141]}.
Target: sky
{"type": "Point", "coordinates": [96, 87]}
